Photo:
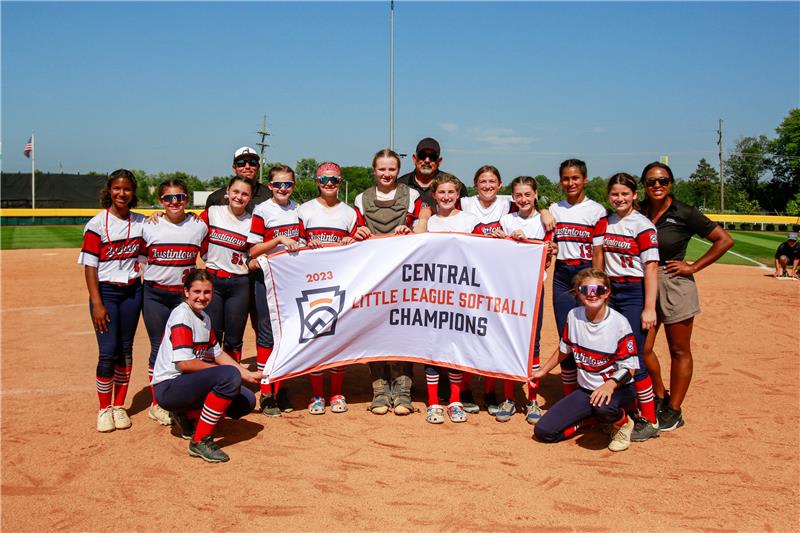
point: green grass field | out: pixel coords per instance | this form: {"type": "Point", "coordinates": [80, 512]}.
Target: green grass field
{"type": "Point", "coordinates": [756, 245]}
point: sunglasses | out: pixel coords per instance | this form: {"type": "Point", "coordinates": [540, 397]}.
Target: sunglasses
{"type": "Point", "coordinates": [422, 156]}
{"type": "Point", "coordinates": [174, 198]}
{"type": "Point", "coordinates": [333, 180]}
{"type": "Point", "coordinates": [650, 182]}
{"type": "Point", "coordinates": [592, 290]}
{"type": "Point", "coordinates": [282, 184]}
{"type": "Point", "coordinates": [241, 163]}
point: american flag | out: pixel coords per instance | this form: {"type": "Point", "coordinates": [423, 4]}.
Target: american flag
{"type": "Point", "coordinates": [28, 148]}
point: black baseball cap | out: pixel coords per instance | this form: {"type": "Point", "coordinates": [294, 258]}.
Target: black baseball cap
{"type": "Point", "coordinates": [429, 144]}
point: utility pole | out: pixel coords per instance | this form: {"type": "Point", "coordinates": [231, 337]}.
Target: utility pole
{"type": "Point", "coordinates": [721, 171]}
{"type": "Point", "coordinates": [262, 145]}
{"type": "Point", "coordinates": [391, 75]}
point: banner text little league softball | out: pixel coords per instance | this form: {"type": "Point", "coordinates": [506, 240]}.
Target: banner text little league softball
{"type": "Point", "coordinates": [459, 298]}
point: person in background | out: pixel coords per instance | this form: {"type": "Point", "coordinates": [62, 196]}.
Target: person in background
{"type": "Point", "coordinates": [787, 256]}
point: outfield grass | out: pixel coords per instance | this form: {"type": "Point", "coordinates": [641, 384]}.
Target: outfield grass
{"type": "Point", "coordinates": [756, 245]}
{"type": "Point", "coordinates": [14, 237]}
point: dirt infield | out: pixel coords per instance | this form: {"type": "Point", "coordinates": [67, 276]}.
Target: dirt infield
{"type": "Point", "coordinates": [734, 466]}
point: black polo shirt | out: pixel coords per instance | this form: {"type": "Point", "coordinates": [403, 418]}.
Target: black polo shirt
{"type": "Point", "coordinates": [676, 226]}
{"type": "Point", "coordinates": [261, 193]}
{"type": "Point", "coordinates": [792, 252]}
{"type": "Point", "coordinates": [425, 193]}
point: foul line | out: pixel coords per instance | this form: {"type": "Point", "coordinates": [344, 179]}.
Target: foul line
{"type": "Point", "coordinates": [759, 263]}
{"type": "Point", "coordinates": [42, 308]}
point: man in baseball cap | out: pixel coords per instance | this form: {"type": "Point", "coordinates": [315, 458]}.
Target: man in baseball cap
{"type": "Point", "coordinates": [246, 162]}
{"type": "Point", "coordinates": [427, 158]}
{"type": "Point", "coordinates": [788, 252]}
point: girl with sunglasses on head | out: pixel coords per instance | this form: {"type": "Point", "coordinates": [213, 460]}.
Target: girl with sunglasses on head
{"type": "Point", "coordinates": [389, 208]}
{"type": "Point", "coordinates": [194, 378]}
{"type": "Point", "coordinates": [328, 220]}
{"type": "Point", "coordinates": [111, 245]}
{"type": "Point", "coordinates": [677, 302]}
{"type": "Point", "coordinates": [576, 218]}
{"type": "Point", "coordinates": [172, 243]}
{"type": "Point", "coordinates": [226, 260]}
{"type": "Point", "coordinates": [604, 348]}
{"type": "Point", "coordinates": [627, 249]}
{"type": "Point", "coordinates": [524, 224]}
{"type": "Point", "coordinates": [448, 219]}
{"type": "Point", "coordinates": [275, 227]}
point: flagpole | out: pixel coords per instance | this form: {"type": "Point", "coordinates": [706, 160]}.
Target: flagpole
{"type": "Point", "coordinates": [391, 75]}
{"type": "Point", "coordinates": [33, 172]}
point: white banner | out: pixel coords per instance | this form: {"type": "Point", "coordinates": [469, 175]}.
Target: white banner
{"type": "Point", "coordinates": [460, 301]}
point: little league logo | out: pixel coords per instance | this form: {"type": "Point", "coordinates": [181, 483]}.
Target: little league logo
{"type": "Point", "coordinates": [319, 310]}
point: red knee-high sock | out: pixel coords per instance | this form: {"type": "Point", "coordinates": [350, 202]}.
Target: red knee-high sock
{"type": "Point", "coordinates": [489, 384]}
{"type": "Point", "coordinates": [337, 379]}
{"type": "Point", "coordinates": [276, 387]}
{"type": "Point", "coordinates": [465, 382]}
{"type": "Point", "coordinates": [533, 387]}
{"type": "Point", "coordinates": [316, 384]}
{"type": "Point", "coordinates": [644, 393]}
{"type": "Point", "coordinates": [262, 356]}
{"type": "Point", "coordinates": [104, 387]}
{"type": "Point", "coordinates": [508, 389]}
{"type": "Point", "coordinates": [122, 375]}
{"type": "Point", "coordinates": [236, 355]}
{"type": "Point", "coordinates": [586, 422]}
{"type": "Point", "coordinates": [150, 380]}
{"type": "Point", "coordinates": [194, 414]}
{"type": "Point", "coordinates": [455, 386]}
{"type": "Point", "coordinates": [433, 388]}
{"type": "Point", "coordinates": [213, 409]}
{"type": "Point", "coordinates": [569, 380]}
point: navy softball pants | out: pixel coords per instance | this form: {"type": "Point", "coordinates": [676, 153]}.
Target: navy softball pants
{"type": "Point", "coordinates": [627, 298]}
{"type": "Point", "coordinates": [564, 300]}
{"type": "Point", "coordinates": [123, 305]}
{"type": "Point", "coordinates": [158, 304]}
{"type": "Point", "coordinates": [228, 310]}
{"type": "Point", "coordinates": [188, 392]}
{"type": "Point", "coordinates": [575, 407]}
{"type": "Point", "coordinates": [264, 330]}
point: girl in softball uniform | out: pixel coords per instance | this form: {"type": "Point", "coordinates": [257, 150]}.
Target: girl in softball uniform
{"type": "Point", "coordinates": [327, 220]}
{"type": "Point", "coordinates": [275, 227]}
{"type": "Point", "coordinates": [389, 208]}
{"type": "Point", "coordinates": [448, 219]}
{"type": "Point", "coordinates": [226, 261]}
{"type": "Point", "coordinates": [627, 248]}
{"type": "Point", "coordinates": [109, 255]}
{"type": "Point", "coordinates": [172, 243]}
{"type": "Point", "coordinates": [576, 218]}
{"type": "Point", "coordinates": [193, 378]}
{"type": "Point", "coordinates": [604, 348]}
{"type": "Point", "coordinates": [523, 225]}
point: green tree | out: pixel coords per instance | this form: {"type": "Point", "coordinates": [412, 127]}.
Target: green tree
{"type": "Point", "coordinates": [705, 181]}
{"type": "Point", "coordinates": [306, 168]}
{"type": "Point", "coordinates": [746, 168]}
{"type": "Point", "coordinates": [358, 179]}
{"type": "Point", "coordinates": [793, 206]}
{"type": "Point", "coordinates": [548, 191]}
{"type": "Point", "coordinates": [596, 190]}
{"type": "Point", "coordinates": [785, 164]}
{"type": "Point", "coordinates": [217, 182]}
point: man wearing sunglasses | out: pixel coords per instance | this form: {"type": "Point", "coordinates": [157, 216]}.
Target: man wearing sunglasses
{"type": "Point", "coordinates": [245, 164]}
{"type": "Point", "coordinates": [427, 159]}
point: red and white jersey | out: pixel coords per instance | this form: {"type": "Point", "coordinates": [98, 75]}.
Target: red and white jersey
{"type": "Point", "coordinates": [187, 336]}
{"type": "Point", "coordinates": [326, 224]}
{"type": "Point", "coordinates": [575, 228]}
{"type": "Point", "coordinates": [461, 222]}
{"type": "Point", "coordinates": [113, 246]}
{"type": "Point", "coordinates": [599, 349]}
{"type": "Point", "coordinates": [489, 217]}
{"type": "Point", "coordinates": [171, 249]}
{"type": "Point", "coordinates": [532, 226]}
{"type": "Point", "coordinates": [414, 204]}
{"type": "Point", "coordinates": [271, 220]}
{"type": "Point", "coordinates": [628, 243]}
{"type": "Point", "coordinates": [226, 241]}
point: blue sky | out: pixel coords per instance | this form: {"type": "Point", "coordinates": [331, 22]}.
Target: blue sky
{"type": "Point", "coordinates": [521, 85]}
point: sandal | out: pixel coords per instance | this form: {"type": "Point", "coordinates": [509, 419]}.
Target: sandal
{"type": "Point", "coordinates": [435, 414]}
{"type": "Point", "coordinates": [401, 396]}
{"type": "Point", "coordinates": [317, 406]}
{"type": "Point", "coordinates": [456, 412]}
{"type": "Point", "coordinates": [338, 404]}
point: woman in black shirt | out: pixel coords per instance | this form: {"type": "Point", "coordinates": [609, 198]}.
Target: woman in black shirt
{"type": "Point", "coordinates": [677, 302]}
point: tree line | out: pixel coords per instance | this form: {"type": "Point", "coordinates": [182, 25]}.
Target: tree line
{"type": "Point", "coordinates": [762, 175]}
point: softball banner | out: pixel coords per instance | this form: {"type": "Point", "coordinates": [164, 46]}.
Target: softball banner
{"type": "Point", "coordinates": [459, 301]}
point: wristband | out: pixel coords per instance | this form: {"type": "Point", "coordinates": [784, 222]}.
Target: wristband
{"type": "Point", "coordinates": [622, 376]}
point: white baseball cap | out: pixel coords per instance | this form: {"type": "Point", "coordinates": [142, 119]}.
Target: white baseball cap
{"type": "Point", "coordinates": [245, 151]}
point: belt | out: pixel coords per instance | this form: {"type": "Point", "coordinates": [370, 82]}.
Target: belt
{"type": "Point", "coordinates": [626, 279]}
{"type": "Point", "coordinates": [573, 262]}
{"type": "Point", "coordinates": [130, 282]}
{"type": "Point", "coordinates": [171, 288]}
{"type": "Point", "coordinates": [222, 274]}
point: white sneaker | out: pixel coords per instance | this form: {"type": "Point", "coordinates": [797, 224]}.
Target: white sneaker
{"type": "Point", "coordinates": [121, 418]}
{"type": "Point", "coordinates": [160, 415]}
{"type": "Point", "coordinates": [105, 420]}
{"type": "Point", "coordinates": [621, 436]}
